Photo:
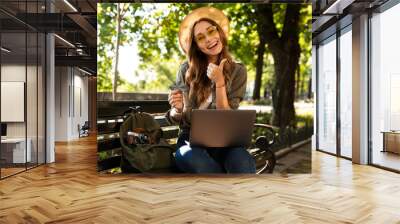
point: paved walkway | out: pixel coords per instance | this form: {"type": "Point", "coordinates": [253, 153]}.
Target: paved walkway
{"type": "Point", "coordinates": [301, 108]}
{"type": "Point", "coordinates": [297, 161]}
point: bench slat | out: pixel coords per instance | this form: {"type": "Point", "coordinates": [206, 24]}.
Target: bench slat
{"type": "Point", "coordinates": [108, 125]}
{"type": "Point", "coordinates": [162, 121]}
{"type": "Point", "coordinates": [115, 161]}
{"type": "Point", "coordinates": [108, 144]}
{"type": "Point", "coordinates": [172, 133]}
{"type": "Point", "coordinates": [109, 163]}
{"type": "Point", "coordinates": [117, 108]}
{"type": "Point", "coordinates": [114, 143]}
{"type": "Point", "coordinates": [110, 118]}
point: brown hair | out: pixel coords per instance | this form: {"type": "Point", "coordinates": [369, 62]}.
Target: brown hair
{"type": "Point", "coordinates": [196, 76]}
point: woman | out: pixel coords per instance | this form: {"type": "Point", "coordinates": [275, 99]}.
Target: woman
{"type": "Point", "coordinates": [209, 80]}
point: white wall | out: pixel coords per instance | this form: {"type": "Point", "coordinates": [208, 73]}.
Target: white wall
{"type": "Point", "coordinates": [34, 124]}
{"type": "Point", "coordinates": [71, 94]}
{"type": "Point", "coordinates": [61, 103]}
{"type": "Point", "coordinates": [50, 97]}
{"type": "Point", "coordinates": [80, 110]}
{"type": "Point", "coordinates": [14, 73]}
{"type": "Point", "coordinates": [360, 90]}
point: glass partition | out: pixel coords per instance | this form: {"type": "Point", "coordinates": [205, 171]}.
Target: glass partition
{"type": "Point", "coordinates": [326, 100]}
{"type": "Point", "coordinates": [41, 110]}
{"type": "Point", "coordinates": [14, 150]}
{"type": "Point", "coordinates": [385, 89]}
{"type": "Point", "coordinates": [31, 97]}
{"type": "Point", "coordinates": [346, 92]}
{"type": "Point", "coordinates": [22, 89]}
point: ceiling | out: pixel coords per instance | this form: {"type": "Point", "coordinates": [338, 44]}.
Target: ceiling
{"type": "Point", "coordinates": [73, 21]}
{"type": "Point", "coordinates": [327, 13]}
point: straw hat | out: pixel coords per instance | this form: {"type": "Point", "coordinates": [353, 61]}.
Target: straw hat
{"type": "Point", "coordinates": [204, 12]}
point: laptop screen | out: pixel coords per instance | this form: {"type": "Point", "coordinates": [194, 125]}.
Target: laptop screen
{"type": "Point", "coordinates": [221, 128]}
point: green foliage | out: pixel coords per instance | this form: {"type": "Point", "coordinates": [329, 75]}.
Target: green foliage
{"type": "Point", "coordinates": [306, 46]}
{"type": "Point", "coordinates": [105, 32]}
{"type": "Point", "coordinates": [262, 101]}
{"type": "Point", "coordinates": [153, 28]}
{"type": "Point", "coordinates": [289, 135]}
{"type": "Point", "coordinates": [301, 120]}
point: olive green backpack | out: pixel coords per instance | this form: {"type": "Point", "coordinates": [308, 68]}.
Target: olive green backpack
{"type": "Point", "coordinates": [152, 156]}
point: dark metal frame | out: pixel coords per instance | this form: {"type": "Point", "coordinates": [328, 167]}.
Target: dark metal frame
{"type": "Point", "coordinates": [338, 98]}
{"type": "Point", "coordinates": [25, 89]}
{"type": "Point", "coordinates": [0, 91]}
{"type": "Point", "coordinates": [316, 98]}
{"type": "Point", "coordinates": [369, 103]}
{"type": "Point", "coordinates": [45, 90]}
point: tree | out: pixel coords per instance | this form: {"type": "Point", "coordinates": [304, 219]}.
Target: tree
{"type": "Point", "coordinates": [260, 55]}
{"type": "Point", "coordinates": [157, 44]}
{"type": "Point", "coordinates": [267, 38]}
{"type": "Point", "coordinates": [118, 43]}
{"type": "Point", "coordinates": [286, 50]}
{"type": "Point", "coordinates": [259, 67]}
{"type": "Point", "coordinates": [304, 71]}
{"type": "Point", "coordinates": [122, 8]}
{"type": "Point", "coordinates": [105, 32]}
{"type": "Point", "coordinates": [114, 26]}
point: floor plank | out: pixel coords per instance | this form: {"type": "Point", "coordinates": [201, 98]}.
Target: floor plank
{"type": "Point", "coordinates": [386, 159]}
{"type": "Point", "coordinates": [71, 191]}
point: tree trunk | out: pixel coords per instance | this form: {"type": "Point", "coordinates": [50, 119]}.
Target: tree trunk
{"type": "Point", "coordinates": [283, 91]}
{"type": "Point", "coordinates": [115, 81]}
{"type": "Point", "coordinates": [302, 84]}
{"type": "Point", "coordinates": [285, 49]}
{"type": "Point", "coordinates": [298, 83]}
{"type": "Point", "coordinates": [259, 67]}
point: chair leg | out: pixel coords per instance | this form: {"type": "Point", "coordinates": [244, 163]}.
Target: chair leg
{"type": "Point", "coordinates": [272, 164]}
{"type": "Point", "coordinates": [271, 161]}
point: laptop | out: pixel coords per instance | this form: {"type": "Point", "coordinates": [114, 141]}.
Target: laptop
{"type": "Point", "coordinates": [221, 128]}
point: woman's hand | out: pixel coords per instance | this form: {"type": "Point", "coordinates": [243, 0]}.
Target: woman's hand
{"type": "Point", "coordinates": [175, 99]}
{"type": "Point", "coordinates": [215, 73]}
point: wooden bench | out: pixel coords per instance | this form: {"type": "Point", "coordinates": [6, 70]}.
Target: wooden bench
{"type": "Point", "coordinates": [111, 114]}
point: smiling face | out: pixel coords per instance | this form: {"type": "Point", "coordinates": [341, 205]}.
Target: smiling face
{"type": "Point", "coordinates": [207, 38]}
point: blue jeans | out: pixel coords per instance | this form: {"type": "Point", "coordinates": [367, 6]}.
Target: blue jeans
{"type": "Point", "coordinates": [191, 159]}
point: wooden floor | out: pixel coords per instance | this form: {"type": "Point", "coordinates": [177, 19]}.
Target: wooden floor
{"type": "Point", "coordinates": [71, 191]}
{"type": "Point", "coordinates": [10, 171]}
{"type": "Point", "coordinates": [386, 159]}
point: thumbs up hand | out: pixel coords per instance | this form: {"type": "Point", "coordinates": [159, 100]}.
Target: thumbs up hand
{"type": "Point", "coordinates": [215, 73]}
